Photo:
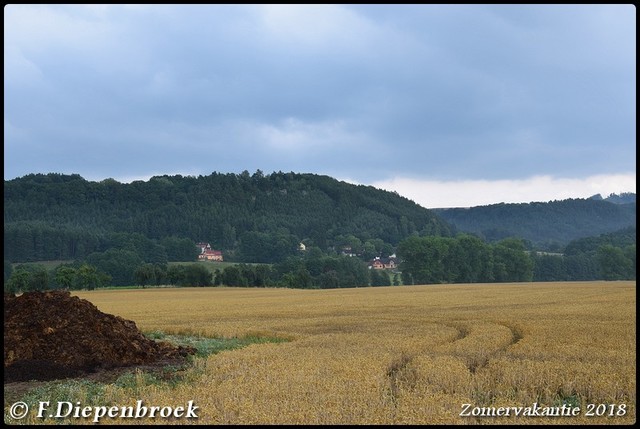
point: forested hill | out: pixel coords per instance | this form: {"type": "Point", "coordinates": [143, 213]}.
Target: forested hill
{"type": "Point", "coordinates": [546, 225]}
{"type": "Point", "coordinates": [56, 216]}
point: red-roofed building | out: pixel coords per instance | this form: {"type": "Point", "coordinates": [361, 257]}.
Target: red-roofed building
{"type": "Point", "coordinates": [378, 263]}
{"type": "Point", "coordinates": [207, 253]}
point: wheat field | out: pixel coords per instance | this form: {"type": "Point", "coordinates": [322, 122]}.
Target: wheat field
{"type": "Point", "coordinates": [398, 355]}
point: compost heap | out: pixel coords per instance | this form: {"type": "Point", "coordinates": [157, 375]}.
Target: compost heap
{"type": "Point", "coordinates": [52, 335]}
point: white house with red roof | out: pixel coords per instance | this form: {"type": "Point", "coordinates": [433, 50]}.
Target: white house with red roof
{"type": "Point", "coordinates": [208, 254]}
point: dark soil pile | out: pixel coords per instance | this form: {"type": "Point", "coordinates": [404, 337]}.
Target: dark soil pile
{"type": "Point", "coordinates": [52, 335]}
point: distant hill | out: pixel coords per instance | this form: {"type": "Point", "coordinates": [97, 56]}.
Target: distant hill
{"type": "Point", "coordinates": [57, 216]}
{"type": "Point", "coordinates": [549, 225]}
{"type": "Point", "coordinates": [261, 218]}
{"type": "Point", "coordinates": [623, 198]}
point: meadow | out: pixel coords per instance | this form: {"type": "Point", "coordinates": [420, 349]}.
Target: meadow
{"type": "Point", "coordinates": [393, 355]}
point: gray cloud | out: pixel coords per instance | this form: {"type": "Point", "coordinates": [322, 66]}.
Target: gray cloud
{"type": "Point", "coordinates": [438, 92]}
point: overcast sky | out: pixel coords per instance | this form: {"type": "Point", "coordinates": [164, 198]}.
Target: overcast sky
{"type": "Point", "coordinates": [449, 105]}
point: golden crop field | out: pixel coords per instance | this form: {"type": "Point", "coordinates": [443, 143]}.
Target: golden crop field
{"type": "Point", "coordinates": [399, 355]}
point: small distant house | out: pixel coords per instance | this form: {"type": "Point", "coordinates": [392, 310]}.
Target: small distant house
{"type": "Point", "coordinates": [302, 247]}
{"type": "Point", "coordinates": [208, 254]}
{"type": "Point", "coordinates": [378, 263]}
{"type": "Point", "coordinates": [390, 263]}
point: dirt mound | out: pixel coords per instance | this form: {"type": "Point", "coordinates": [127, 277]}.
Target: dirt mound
{"type": "Point", "coordinates": [52, 335]}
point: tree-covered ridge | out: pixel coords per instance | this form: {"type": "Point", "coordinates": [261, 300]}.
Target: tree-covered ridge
{"type": "Point", "coordinates": [57, 216]}
{"type": "Point", "coordinates": [549, 225]}
{"type": "Point", "coordinates": [622, 198]}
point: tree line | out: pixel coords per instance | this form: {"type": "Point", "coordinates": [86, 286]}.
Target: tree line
{"type": "Point", "coordinates": [469, 259]}
{"type": "Point", "coordinates": [303, 272]}
{"type": "Point", "coordinates": [424, 260]}
{"type": "Point", "coordinates": [610, 256]}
